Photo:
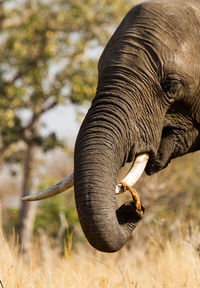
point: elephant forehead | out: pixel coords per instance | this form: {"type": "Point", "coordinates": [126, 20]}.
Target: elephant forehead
{"type": "Point", "coordinates": [187, 59]}
{"type": "Point", "coordinates": [182, 62]}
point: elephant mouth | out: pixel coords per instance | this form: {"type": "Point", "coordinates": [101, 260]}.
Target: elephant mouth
{"type": "Point", "coordinates": [165, 153]}
{"type": "Point", "coordinates": [156, 164]}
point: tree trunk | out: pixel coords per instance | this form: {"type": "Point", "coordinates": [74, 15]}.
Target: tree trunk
{"type": "Point", "coordinates": [28, 209]}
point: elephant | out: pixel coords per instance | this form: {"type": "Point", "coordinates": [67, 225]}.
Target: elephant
{"type": "Point", "coordinates": [145, 113]}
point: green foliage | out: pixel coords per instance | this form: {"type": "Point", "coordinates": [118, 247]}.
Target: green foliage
{"type": "Point", "coordinates": [48, 220]}
{"type": "Point", "coordinates": [84, 81]}
{"type": "Point", "coordinates": [48, 217]}
{"type": "Point", "coordinates": [47, 56]}
{"type": "Point", "coordinates": [49, 212]}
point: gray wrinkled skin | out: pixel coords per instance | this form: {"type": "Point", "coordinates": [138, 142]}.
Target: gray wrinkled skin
{"type": "Point", "coordinates": [147, 100]}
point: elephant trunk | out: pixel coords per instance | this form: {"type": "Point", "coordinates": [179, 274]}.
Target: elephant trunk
{"type": "Point", "coordinates": [99, 154]}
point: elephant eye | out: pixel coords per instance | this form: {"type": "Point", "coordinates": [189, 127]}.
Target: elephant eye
{"type": "Point", "coordinates": [173, 88]}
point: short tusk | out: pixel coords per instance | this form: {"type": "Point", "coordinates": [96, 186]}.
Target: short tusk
{"type": "Point", "coordinates": [134, 173]}
{"type": "Point", "coordinates": [60, 187]}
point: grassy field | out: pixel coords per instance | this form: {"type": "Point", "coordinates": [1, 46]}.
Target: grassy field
{"type": "Point", "coordinates": [158, 263]}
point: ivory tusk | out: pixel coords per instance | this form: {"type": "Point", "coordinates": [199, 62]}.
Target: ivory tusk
{"type": "Point", "coordinates": [135, 172]}
{"type": "Point", "coordinates": [60, 187]}
{"type": "Point", "coordinates": [124, 171]}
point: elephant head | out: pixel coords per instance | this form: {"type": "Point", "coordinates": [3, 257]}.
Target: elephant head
{"type": "Point", "coordinates": [147, 103]}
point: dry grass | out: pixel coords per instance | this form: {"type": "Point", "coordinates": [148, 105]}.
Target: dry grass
{"type": "Point", "coordinates": [160, 264]}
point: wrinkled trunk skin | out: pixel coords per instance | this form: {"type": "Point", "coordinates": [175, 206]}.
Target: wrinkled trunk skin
{"type": "Point", "coordinates": [113, 129]}
{"type": "Point", "coordinates": [126, 115]}
{"type": "Point", "coordinates": [99, 154]}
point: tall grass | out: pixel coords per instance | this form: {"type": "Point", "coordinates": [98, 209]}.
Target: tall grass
{"type": "Point", "coordinates": [158, 263]}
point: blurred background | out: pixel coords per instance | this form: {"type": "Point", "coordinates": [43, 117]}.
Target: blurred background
{"type": "Point", "coordinates": [49, 51]}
